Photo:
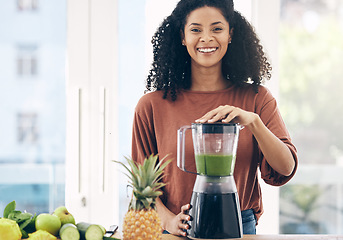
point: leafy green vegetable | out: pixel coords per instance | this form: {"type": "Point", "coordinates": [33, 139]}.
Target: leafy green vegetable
{"type": "Point", "coordinates": [9, 208]}
{"type": "Point", "coordinates": [14, 215]}
{"type": "Point", "coordinates": [30, 228]}
{"type": "Point", "coordinates": [26, 221]}
{"type": "Point", "coordinates": [24, 233]}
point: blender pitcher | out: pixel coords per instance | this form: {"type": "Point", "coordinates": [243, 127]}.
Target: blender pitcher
{"type": "Point", "coordinates": [215, 208]}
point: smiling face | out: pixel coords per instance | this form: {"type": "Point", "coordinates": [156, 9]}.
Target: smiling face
{"type": "Point", "coordinates": [206, 36]}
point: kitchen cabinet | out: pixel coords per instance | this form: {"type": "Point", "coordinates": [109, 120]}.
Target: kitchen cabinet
{"type": "Point", "coordinates": [91, 140]}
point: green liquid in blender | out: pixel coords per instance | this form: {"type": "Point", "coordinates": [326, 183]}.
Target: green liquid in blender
{"type": "Point", "coordinates": [214, 165]}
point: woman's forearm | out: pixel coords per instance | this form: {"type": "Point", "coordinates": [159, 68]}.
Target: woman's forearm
{"type": "Point", "coordinates": [164, 213]}
{"type": "Point", "coordinates": [277, 154]}
{"type": "Point", "coordinates": [174, 224]}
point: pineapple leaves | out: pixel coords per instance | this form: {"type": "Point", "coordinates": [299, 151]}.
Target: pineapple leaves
{"type": "Point", "coordinates": [131, 175]}
{"type": "Point", "coordinates": [145, 180]}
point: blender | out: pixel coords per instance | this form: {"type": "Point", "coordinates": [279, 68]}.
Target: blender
{"type": "Point", "coordinates": [215, 210]}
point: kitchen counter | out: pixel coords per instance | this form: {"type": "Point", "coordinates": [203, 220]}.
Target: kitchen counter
{"type": "Point", "coordinates": [265, 237]}
{"type": "Point", "coordinates": [271, 237]}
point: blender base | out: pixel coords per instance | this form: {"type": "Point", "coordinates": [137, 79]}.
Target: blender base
{"type": "Point", "coordinates": [215, 216]}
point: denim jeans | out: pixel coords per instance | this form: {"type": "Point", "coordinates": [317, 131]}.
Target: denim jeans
{"type": "Point", "coordinates": [248, 221]}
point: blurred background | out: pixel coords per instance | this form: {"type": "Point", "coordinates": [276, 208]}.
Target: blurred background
{"type": "Point", "coordinates": [33, 105]}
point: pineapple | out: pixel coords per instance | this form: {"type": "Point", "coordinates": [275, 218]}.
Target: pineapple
{"type": "Point", "coordinates": [141, 221]}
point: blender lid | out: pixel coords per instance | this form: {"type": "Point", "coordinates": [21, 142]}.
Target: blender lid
{"type": "Point", "coordinates": [217, 127]}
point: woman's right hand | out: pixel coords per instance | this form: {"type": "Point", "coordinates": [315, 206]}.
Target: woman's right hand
{"type": "Point", "coordinates": [177, 224]}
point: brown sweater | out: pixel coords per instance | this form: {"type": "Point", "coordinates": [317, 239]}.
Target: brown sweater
{"type": "Point", "coordinates": [155, 126]}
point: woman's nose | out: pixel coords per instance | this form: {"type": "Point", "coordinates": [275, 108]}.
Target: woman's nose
{"type": "Point", "coordinates": [206, 36]}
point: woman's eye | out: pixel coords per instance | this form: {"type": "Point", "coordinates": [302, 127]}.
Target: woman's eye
{"type": "Point", "coordinates": [195, 30]}
{"type": "Point", "coordinates": [217, 29]}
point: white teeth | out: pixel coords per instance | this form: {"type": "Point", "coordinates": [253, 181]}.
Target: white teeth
{"type": "Point", "coordinates": [207, 50]}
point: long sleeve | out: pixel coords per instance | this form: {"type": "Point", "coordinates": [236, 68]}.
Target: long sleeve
{"type": "Point", "coordinates": [271, 117]}
{"type": "Point", "coordinates": [143, 139]}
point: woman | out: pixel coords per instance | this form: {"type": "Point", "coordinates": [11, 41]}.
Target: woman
{"type": "Point", "coordinates": [208, 66]}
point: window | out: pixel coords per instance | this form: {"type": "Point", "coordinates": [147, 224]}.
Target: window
{"type": "Point", "coordinates": [27, 128]}
{"type": "Point", "coordinates": [27, 5]}
{"type": "Point", "coordinates": [311, 49]}
{"type": "Point", "coordinates": [27, 61]}
{"type": "Point", "coordinates": [32, 113]}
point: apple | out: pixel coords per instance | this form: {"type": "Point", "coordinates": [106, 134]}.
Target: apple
{"type": "Point", "coordinates": [48, 222]}
{"type": "Point", "coordinates": [63, 214]}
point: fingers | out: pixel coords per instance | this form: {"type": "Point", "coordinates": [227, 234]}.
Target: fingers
{"type": "Point", "coordinates": [210, 116]}
{"type": "Point", "coordinates": [182, 233]}
{"type": "Point", "coordinates": [183, 215]}
{"type": "Point", "coordinates": [185, 208]}
{"type": "Point", "coordinates": [177, 225]}
{"type": "Point", "coordinates": [182, 228]}
{"type": "Point", "coordinates": [231, 116]}
{"type": "Point", "coordinates": [222, 113]}
{"type": "Point", "coordinates": [183, 219]}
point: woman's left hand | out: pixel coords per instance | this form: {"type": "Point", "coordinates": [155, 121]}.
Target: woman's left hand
{"type": "Point", "coordinates": [227, 114]}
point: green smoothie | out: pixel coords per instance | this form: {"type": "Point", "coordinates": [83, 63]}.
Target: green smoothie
{"type": "Point", "coordinates": [215, 165]}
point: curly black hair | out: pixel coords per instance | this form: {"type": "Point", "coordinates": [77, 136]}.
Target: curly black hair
{"type": "Point", "coordinates": [244, 61]}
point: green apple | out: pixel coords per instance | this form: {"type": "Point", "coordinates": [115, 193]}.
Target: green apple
{"type": "Point", "coordinates": [65, 216]}
{"type": "Point", "coordinates": [48, 222]}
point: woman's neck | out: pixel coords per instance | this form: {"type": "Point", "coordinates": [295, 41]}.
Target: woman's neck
{"type": "Point", "coordinates": [208, 79]}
